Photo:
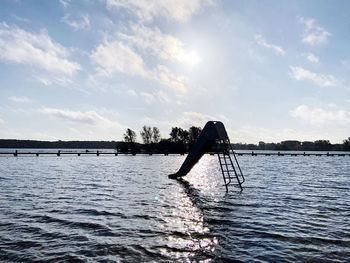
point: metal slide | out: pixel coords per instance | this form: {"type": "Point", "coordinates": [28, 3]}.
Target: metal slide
{"type": "Point", "coordinates": [213, 135]}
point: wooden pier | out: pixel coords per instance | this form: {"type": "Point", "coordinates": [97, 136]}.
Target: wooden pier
{"type": "Point", "coordinates": [102, 153]}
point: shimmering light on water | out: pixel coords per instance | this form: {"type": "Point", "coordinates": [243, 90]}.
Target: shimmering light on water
{"type": "Point", "coordinates": [124, 208]}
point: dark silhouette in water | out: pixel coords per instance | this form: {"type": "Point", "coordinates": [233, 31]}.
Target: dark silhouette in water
{"type": "Point", "coordinates": [213, 136]}
{"type": "Point", "coordinates": [206, 141]}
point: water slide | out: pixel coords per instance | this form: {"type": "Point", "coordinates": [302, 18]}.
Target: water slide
{"type": "Point", "coordinates": [212, 131]}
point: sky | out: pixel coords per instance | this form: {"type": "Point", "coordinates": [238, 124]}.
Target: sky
{"type": "Point", "coordinates": [88, 70]}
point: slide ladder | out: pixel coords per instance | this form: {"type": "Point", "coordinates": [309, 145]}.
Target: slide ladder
{"type": "Point", "coordinates": [228, 163]}
{"type": "Point", "coordinates": [213, 135]}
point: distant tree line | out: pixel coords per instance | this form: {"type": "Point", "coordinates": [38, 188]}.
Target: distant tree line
{"type": "Point", "coordinates": [9, 143]}
{"type": "Point", "coordinates": [319, 145]}
{"type": "Point", "coordinates": [180, 140]}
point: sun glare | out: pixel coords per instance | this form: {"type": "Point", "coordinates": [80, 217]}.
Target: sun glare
{"type": "Point", "coordinates": [190, 58]}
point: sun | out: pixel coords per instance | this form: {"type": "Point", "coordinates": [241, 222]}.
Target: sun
{"type": "Point", "coordinates": [190, 58]}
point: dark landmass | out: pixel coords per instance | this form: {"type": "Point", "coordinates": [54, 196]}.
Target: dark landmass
{"type": "Point", "coordinates": [164, 146]}
{"type": "Point", "coordinates": [319, 145]}
{"type": "Point", "coordinates": [169, 146]}
{"type": "Point", "coordinates": [6, 143]}
{"type": "Point", "coordinates": [180, 147]}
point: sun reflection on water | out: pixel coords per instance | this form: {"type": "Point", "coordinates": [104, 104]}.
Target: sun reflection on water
{"type": "Point", "coordinates": [190, 237]}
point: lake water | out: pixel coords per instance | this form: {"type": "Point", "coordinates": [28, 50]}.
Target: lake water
{"type": "Point", "coordinates": [125, 209]}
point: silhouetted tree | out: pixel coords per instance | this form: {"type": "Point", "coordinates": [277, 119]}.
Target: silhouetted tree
{"type": "Point", "coordinates": [290, 145]}
{"type": "Point", "coordinates": [155, 135]}
{"type": "Point", "coordinates": [130, 136]}
{"type": "Point", "coordinates": [346, 144]}
{"type": "Point", "coordinates": [168, 146]}
{"type": "Point", "coordinates": [194, 133]}
{"type": "Point", "coordinates": [184, 136]}
{"type": "Point", "coordinates": [262, 145]}
{"type": "Point", "coordinates": [323, 145]}
{"type": "Point", "coordinates": [146, 134]}
{"type": "Point", "coordinates": [175, 134]}
{"type": "Point", "coordinates": [308, 146]}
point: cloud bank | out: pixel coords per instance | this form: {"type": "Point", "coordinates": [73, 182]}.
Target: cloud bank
{"type": "Point", "coordinates": [148, 10]}
{"type": "Point", "coordinates": [39, 50]}
{"type": "Point", "coordinates": [319, 116]}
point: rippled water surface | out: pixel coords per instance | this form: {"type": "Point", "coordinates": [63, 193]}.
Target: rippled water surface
{"type": "Point", "coordinates": [125, 209]}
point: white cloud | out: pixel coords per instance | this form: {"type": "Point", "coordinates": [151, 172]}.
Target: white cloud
{"type": "Point", "coordinates": [165, 76]}
{"type": "Point", "coordinates": [20, 99]}
{"type": "Point", "coordinates": [163, 97]}
{"type": "Point", "coordinates": [22, 19]}
{"type": "Point", "coordinates": [223, 118]}
{"type": "Point", "coordinates": [188, 119]}
{"type": "Point", "coordinates": [262, 42]}
{"type": "Point", "coordinates": [311, 57]}
{"type": "Point", "coordinates": [321, 80]}
{"type": "Point", "coordinates": [90, 124]}
{"type": "Point", "coordinates": [319, 116]}
{"type": "Point", "coordinates": [88, 117]}
{"type": "Point", "coordinates": [149, 98]}
{"type": "Point", "coordinates": [313, 34]}
{"type": "Point", "coordinates": [147, 10]}
{"type": "Point", "coordinates": [19, 46]}
{"type": "Point", "coordinates": [45, 81]}
{"type": "Point", "coordinates": [2, 121]}
{"type": "Point", "coordinates": [83, 22]}
{"type": "Point", "coordinates": [116, 57]}
{"type": "Point", "coordinates": [153, 42]}
{"type": "Point", "coordinates": [65, 3]}
{"type": "Point", "coordinates": [253, 134]}
{"type": "Point", "coordinates": [131, 92]}
{"type": "Point", "coordinates": [50, 79]}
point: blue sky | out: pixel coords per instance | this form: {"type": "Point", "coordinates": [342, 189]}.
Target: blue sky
{"type": "Point", "coordinates": [87, 70]}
